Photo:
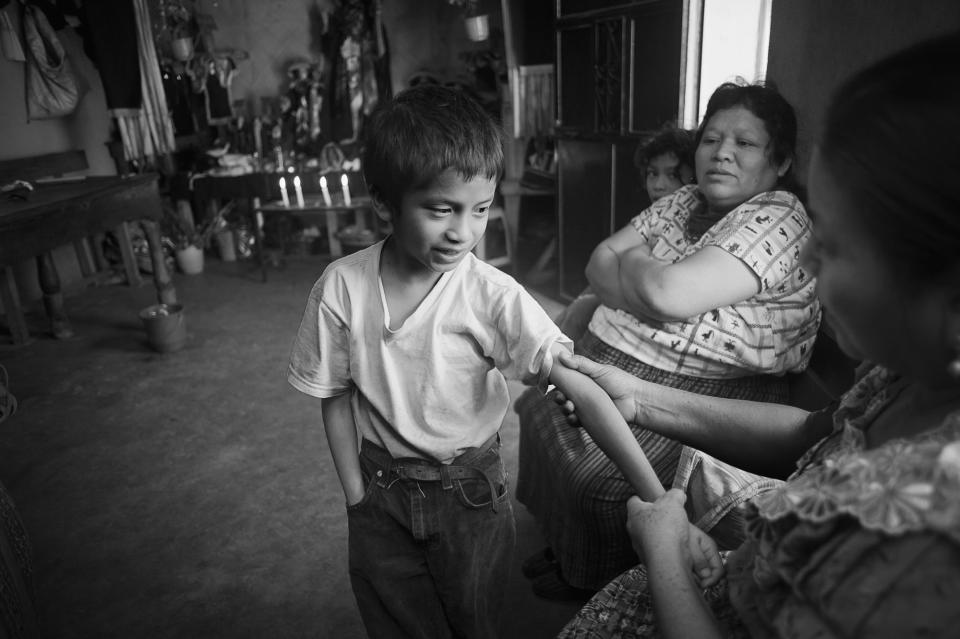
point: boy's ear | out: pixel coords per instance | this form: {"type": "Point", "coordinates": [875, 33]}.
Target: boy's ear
{"type": "Point", "coordinates": [380, 206]}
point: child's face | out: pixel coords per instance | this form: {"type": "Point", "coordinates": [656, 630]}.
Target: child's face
{"type": "Point", "coordinates": [438, 225]}
{"type": "Point", "coordinates": [665, 175]}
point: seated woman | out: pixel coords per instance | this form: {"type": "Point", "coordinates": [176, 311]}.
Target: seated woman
{"type": "Point", "coordinates": [702, 291]}
{"type": "Point", "coordinates": [666, 163]}
{"type": "Point", "coordinates": [863, 540]}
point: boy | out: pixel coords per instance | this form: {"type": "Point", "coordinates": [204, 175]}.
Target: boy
{"type": "Point", "coordinates": [408, 342]}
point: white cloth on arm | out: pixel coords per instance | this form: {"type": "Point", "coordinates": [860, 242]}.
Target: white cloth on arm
{"type": "Point", "coordinates": [437, 385]}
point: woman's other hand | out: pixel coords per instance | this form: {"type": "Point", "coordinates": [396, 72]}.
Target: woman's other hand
{"type": "Point", "coordinates": [619, 385]}
{"type": "Point", "coordinates": [662, 528]}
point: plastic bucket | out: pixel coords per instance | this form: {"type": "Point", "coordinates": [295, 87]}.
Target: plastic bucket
{"type": "Point", "coordinates": [166, 328]}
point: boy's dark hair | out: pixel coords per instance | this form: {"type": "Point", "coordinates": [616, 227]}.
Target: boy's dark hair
{"type": "Point", "coordinates": [669, 139]}
{"type": "Point", "coordinates": [422, 132]}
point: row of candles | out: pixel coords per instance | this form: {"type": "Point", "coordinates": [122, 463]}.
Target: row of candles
{"type": "Point", "coordinates": [298, 190]}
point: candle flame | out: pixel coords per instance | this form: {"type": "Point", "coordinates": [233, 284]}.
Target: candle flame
{"type": "Point", "coordinates": [343, 179]}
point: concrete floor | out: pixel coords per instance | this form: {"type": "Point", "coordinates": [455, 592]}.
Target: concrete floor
{"type": "Point", "coordinates": [192, 494]}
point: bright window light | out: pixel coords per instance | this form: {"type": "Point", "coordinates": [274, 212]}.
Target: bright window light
{"type": "Point", "coordinates": [731, 39]}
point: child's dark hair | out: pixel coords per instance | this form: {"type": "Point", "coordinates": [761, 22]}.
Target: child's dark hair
{"type": "Point", "coordinates": [668, 139]}
{"type": "Point", "coordinates": [424, 131]}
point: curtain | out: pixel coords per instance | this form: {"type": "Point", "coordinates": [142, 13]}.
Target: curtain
{"type": "Point", "coordinates": [148, 132]}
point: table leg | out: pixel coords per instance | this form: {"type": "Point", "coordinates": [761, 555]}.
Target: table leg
{"type": "Point", "coordinates": [257, 221]}
{"type": "Point", "coordinates": [511, 224]}
{"type": "Point", "coordinates": [11, 306]}
{"type": "Point", "coordinates": [166, 293]}
{"type": "Point", "coordinates": [53, 297]}
{"type": "Point", "coordinates": [84, 258]}
{"type": "Point", "coordinates": [185, 211]}
{"type": "Point", "coordinates": [99, 259]}
{"type": "Point", "coordinates": [126, 252]}
{"type": "Point", "coordinates": [335, 249]}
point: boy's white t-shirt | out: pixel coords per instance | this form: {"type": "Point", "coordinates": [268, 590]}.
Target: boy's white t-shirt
{"type": "Point", "coordinates": [437, 385]}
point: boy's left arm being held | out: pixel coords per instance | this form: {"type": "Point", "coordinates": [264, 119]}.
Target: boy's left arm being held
{"type": "Point", "coordinates": [601, 418]}
{"type": "Point", "coordinates": [606, 425]}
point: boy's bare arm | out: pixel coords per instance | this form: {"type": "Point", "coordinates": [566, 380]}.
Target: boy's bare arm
{"type": "Point", "coordinates": [601, 418]}
{"type": "Point", "coordinates": [342, 438]}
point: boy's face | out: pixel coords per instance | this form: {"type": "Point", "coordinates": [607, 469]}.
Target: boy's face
{"type": "Point", "coordinates": [438, 225]}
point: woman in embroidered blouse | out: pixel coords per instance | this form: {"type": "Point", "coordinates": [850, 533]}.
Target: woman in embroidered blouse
{"type": "Point", "coordinates": [701, 291]}
{"type": "Point", "coordinates": [863, 540]}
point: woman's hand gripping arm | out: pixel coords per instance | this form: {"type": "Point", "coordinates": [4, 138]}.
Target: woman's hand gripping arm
{"type": "Point", "coordinates": [763, 438]}
{"type": "Point", "coordinates": [606, 425]}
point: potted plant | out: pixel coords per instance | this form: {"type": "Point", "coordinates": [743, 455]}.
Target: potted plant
{"type": "Point", "coordinates": [189, 240]}
{"type": "Point", "coordinates": [477, 24]}
{"type": "Point", "coordinates": [179, 22]}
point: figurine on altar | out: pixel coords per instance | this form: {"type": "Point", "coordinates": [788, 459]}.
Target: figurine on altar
{"type": "Point", "coordinates": [302, 104]}
{"type": "Point", "coordinates": [355, 42]}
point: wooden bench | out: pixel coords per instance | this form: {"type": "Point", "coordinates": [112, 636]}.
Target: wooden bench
{"type": "Point", "coordinates": [57, 213]}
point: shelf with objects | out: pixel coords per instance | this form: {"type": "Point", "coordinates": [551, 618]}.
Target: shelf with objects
{"type": "Point", "coordinates": [309, 128]}
{"type": "Point", "coordinates": [335, 197]}
{"type": "Point", "coordinates": [529, 187]}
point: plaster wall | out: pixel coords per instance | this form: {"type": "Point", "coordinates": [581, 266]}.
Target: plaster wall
{"type": "Point", "coordinates": [421, 34]}
{"type": "Point", "coordinates": [816, 44]}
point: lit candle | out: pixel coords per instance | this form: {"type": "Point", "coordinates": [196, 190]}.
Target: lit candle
{"type": "Point", "coordinates": [346, 189]}
{"type": "Point", "coordinates": [298, 191]}
{"type": "Point", "coordinates": [325, 191]}
{"type": "Point", "coordinates": [283, 192]}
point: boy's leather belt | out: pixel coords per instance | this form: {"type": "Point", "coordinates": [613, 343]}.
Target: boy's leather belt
{"type": "Point", "coordinates": [424, 470]}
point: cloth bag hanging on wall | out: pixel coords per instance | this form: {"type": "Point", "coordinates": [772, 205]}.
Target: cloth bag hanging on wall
{"type": "Point", "coordinates": [52, 87]}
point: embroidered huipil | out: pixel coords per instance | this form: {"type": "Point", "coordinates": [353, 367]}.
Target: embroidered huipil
{"type": "Point", "coordinates": [772, 332]}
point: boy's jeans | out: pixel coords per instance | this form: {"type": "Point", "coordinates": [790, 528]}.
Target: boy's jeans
{"type": "Point", "coordinates": [429, 553]}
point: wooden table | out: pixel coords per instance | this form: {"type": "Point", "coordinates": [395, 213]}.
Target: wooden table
{"type": "Point", "coordinates": [59, 214]}
{"type": "Point", "coordinates": [315, 211]}
{"type": "Point", "coordinates": [206, 191]}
